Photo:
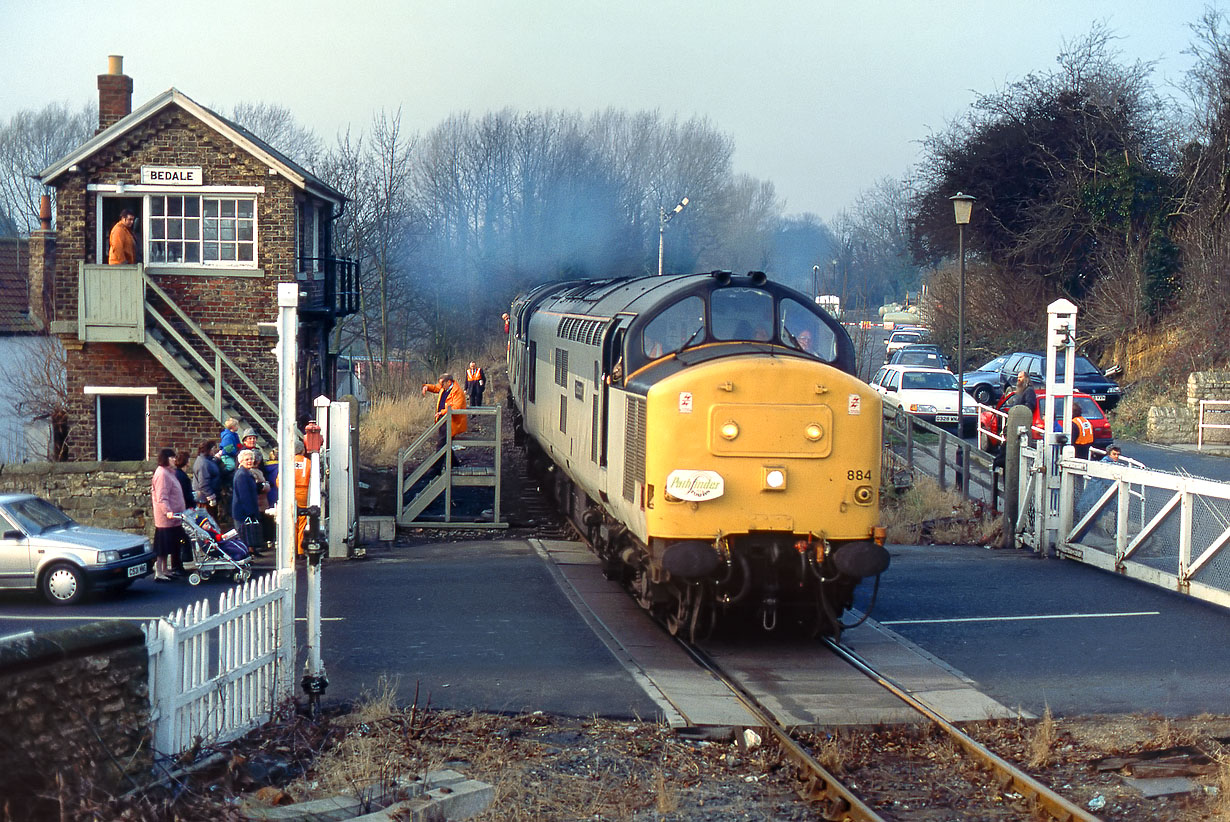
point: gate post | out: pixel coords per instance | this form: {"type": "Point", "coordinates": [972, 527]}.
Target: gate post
{"type": "Point", "coordinates": [1061, 337]}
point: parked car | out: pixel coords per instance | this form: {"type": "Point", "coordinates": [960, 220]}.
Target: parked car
{"type": "Point", "coordinates": [901, 338]}
{"type": "Point", "coordinates": [42, 547]}
{"type": "Point", "coordinates": [927, 393]}
{"type": "Point", "coordinates": [1082, 405]}
{"type": "Point", "coordinates": [919, 354]}
{"type": "Point", "coordinates": [986, 383]}
{"type": "Point", "coordinates": [1087, 379]}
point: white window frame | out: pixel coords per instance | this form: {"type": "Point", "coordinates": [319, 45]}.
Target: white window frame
{"type": "Point", "coordinates": [99, 391]}
{"type": "Point", "coordinates": [204, 192]}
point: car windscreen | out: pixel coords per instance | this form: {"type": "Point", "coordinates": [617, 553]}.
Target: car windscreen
{"type": "Point", "coordinates": [1087, 408]}
{"type": "Point", "coordinates": [995, 364]}
{"type": "Point", "coordinates": [36, 515]}
{"type": "Point", "coordinates": [1084, 368]}
{"type": "Point", "coordinates": [928, 380]}
{"type": "Point", "coordinates": [928, 358]}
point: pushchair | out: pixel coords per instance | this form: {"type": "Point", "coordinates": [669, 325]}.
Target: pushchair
{"type": "Point", "coordinates": [213, 551]}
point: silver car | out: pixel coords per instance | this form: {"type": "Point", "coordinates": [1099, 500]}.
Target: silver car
{"type": "Point", "coordinates": [42, 547]}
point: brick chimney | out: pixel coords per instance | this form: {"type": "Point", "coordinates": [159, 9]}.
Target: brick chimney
{"type": "Point", "coordinates": [42, 266]}
{"type": "Point", "coordinates": [114, 93]}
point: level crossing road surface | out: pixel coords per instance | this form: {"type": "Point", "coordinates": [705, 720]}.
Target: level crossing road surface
{"type": "Point", "coordinates": [1040, 633]}
{"type": "Point", "coordinates": [485, 625]}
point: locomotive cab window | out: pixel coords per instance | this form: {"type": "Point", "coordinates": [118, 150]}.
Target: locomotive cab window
{"type": "Point", "coordinates": [679, 326]}
{"type": "Point", "coordinates": [802, 329]}
{"type": "Point", "coordinates": [741, 314]}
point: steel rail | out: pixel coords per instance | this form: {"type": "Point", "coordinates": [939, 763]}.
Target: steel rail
{"type": "Point", "coordinates": [1043, 797]}
{"type": "Point", "coordinates": [836, 802]}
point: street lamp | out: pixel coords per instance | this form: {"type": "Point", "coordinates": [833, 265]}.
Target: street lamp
{"type": "Point", "coordinates": [962, 205]}
{"type": "Point", "coordinates": [815, 282]}
{"type": "Point", "coordinates": [663, 219]}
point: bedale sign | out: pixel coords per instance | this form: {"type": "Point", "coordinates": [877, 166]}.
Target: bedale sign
{"type": "Point", "coordinates": [171, 175]}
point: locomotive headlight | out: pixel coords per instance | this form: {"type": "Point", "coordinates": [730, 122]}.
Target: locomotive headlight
{"type": "Point", "coordinates": [863, 495]}
{"type": "Point", "coordinates": [813, 432]}
{"type": "Point", "coordinates": [775, 479]}
{"type": "Point", "coordinates": [729, 430]}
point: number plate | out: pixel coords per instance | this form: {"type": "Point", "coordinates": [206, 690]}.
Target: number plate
{"type": "Point", "coordinates": [946, 418]}
{"type": "Point", "coordinates": [1100, 397]}
{"type": "Point", "coordinates": [137, 570]}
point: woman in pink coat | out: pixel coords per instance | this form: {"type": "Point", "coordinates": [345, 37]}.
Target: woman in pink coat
{"type": "Point", "coordinates": [167, 497]}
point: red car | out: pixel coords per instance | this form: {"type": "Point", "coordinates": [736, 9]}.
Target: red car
{"type": "Point", "coordinates": [989, 437]}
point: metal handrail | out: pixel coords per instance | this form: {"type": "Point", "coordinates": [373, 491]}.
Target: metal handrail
{"type": "Point", "coordinates": [214, 370]}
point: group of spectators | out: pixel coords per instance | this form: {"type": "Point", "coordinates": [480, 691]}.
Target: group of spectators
{"type": "Point", "coordinates": [234, 466]}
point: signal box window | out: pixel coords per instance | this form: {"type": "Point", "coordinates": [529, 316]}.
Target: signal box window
{"type": "Point", "coordinates": [201, 230]}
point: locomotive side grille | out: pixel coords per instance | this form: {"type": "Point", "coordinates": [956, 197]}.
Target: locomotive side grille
{"type": "Point", "coordinates": [634, 443]}
{"type": "Point", "coordinates": [561, 368]}
{"type": "Point", "coordinates": [563, 414]}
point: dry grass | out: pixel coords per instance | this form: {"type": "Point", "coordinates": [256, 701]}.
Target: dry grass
{"type": "Point", "coordinates": [927, 513]}
{"type": "Point", "coordinates": [397, 418]}
{"type": "Point", "coordinates": [1042, 741]}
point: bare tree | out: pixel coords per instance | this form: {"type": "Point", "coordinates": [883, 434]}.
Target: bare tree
{"type": "Point", "coordinates": [278, 126]}
{"type": "Point", "coordinates": [29, 142]}
{"type": "Point", "coordinates": [39, 381]}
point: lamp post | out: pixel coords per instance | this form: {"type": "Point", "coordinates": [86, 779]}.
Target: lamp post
{"type": "Point", "coordinates": [663, 219]}
{"type": "Point", "coordinates": [962, 205]}
{"type": "Point", "coordinates": [815, 283]}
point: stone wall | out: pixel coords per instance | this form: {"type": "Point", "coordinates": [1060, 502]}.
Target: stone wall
{"type": "Point", "coordinates": [105, 494]}
{"type": "Point", "coordinates": [74, 703]}
{"type": "Point", "coordinates": [1180, 424]}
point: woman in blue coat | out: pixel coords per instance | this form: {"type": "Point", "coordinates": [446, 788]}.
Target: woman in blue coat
{"type": "Point", "coordinates": [245, 509]}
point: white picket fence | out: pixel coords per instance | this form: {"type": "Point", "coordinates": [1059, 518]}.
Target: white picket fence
{"type": "Point", "coordinates": [213, 677]}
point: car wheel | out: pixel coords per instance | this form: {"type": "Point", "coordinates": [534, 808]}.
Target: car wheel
{"type": "Point", "coordinates": [982, 395]}
{"type": "Point", "coordinates": [63, 584]}
{"type": "Point", "coordinates": [194, 578]}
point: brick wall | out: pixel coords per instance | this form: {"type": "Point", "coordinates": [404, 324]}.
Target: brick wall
{"type": "Point", "coordinates": [227, 307]}
{"type": "Point", "coordinates": [74, 703]}
{"type": "Point", "coordinates": [104, 494]}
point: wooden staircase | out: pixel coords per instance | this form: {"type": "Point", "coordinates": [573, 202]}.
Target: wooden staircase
{"type": "Point", "coordinates": [418, 489]}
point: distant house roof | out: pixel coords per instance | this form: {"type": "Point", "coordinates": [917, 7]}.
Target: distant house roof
{"type": "Point", "coordinates": [14, 288]}
{"type": "Point", "coordinates": [234, 132]}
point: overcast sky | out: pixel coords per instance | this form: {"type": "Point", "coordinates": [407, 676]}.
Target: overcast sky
{"type": "Point", "coordinates": [821, 98]}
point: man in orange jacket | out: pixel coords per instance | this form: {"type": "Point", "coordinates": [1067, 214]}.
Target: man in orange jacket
{"type": "Point", "coordinates": [451, 396]}
{"type": "Point", "coordinates": [122, 248]}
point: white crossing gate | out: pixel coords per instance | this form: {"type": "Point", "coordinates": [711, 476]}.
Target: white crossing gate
{"type": "Point", "coordinates": [214, 677]}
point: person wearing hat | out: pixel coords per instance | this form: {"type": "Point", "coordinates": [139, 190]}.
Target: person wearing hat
{"type": "Point", "coordinates": [248, 441]}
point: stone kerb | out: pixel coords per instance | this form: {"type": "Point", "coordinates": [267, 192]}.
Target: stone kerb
{"type": "Point", "coordinates": [104, 494]}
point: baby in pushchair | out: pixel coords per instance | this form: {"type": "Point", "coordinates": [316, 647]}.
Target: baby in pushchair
{"type": "Point", "coordinates": [212, 550]}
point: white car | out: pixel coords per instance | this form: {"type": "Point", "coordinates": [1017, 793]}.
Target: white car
{"type": "Point", "coordinates": [42, 547]}
{"type": "Point", "coordinates": [901, 338]}
{"type": "Point", "coordinates": [927, 393]}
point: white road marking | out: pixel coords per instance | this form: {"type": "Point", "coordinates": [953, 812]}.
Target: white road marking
{"type": "Point", "coordinates": [1016, 618]}
{"type": "Point", "coordinates": [126, 618]}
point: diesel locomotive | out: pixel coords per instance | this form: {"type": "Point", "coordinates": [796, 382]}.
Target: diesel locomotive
{"type": "Point", "coordinates": [708, 435]}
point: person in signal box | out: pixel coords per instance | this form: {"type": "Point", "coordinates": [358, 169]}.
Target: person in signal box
{"type": "Point", "coordinates": [123, 248]}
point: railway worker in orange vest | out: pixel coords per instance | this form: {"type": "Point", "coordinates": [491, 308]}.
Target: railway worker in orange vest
{"type": "Point", "coordinates": [122, 248]}
{"type": "Point", "coordinates": [1082, 436]}
{"type": "Point", "coordinates": [476, 381]}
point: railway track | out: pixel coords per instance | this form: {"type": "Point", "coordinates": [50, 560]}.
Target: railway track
{"type": "Point", "coordinates": [836, 801]}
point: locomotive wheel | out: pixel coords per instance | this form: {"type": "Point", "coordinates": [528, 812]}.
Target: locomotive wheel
{"type": "Point", "coordinates": [642, 589]}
